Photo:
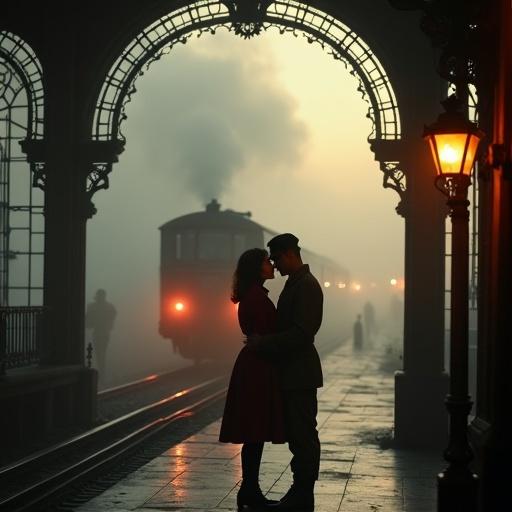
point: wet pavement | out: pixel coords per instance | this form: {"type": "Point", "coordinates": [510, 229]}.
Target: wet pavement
{"type": "Point", "coordinates": [360, 470]}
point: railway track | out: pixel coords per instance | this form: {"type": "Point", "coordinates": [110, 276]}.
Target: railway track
{"type": "Point", "coordinates": [51, 472]}
{"type": "Point", "coordinates": [36, 482]}
{"type": "Point", "coordinates": [118, 401]}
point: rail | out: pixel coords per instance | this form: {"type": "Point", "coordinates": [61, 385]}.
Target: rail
{"type": "Point", "coordinates": [80, 458]}
{"type": "Point", "coordinates": [20, 336]}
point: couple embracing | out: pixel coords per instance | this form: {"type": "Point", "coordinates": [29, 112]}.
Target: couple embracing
{"type": "Point", "coordinates": [272, 392]}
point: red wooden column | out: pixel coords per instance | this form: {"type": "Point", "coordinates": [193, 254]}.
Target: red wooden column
{"type": "Point", "coordinates": [491, 429]}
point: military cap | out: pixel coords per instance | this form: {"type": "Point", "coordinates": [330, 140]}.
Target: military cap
{"type": "Point", "coordinates": [281, 243]}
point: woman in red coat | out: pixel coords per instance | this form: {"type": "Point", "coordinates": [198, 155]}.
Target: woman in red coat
{"type": "Point", "coordinates": [253, 412]}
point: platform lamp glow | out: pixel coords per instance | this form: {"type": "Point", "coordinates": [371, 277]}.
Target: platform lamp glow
{"type": "Point", "coordinates": [454, 143]}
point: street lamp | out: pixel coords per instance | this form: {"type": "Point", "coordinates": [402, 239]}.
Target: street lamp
{"type": "Point", "coordinates": [454, 141]}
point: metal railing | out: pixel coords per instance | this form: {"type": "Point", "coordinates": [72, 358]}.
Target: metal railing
{"type": "Point", "coordinates": [20, 336]}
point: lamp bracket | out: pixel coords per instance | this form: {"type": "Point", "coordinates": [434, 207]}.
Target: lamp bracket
{"type": "Point", "coordinates": [453, 187]}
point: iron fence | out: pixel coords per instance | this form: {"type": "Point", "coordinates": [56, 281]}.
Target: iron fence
{"type": "Point", "coordinates": [20, 336]}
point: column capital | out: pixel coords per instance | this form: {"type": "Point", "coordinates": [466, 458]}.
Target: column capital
{"type": "Point", "coordinates": [101, 151]}
{"type": "Point", "coordinates": [389, 154]}
{"type": "Point", "coordinates": [95, 160]}
{"type": "Point", "coordinates": [97, 157]}
{"type": "Point", "coordinates": [35, 149]}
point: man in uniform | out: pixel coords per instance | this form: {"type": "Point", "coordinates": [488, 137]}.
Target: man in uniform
{"type": "Point", "coordinates": [299, 315]}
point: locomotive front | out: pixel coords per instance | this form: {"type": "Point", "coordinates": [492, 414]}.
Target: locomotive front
{"type": "Point", "coordinates": [198, 255]}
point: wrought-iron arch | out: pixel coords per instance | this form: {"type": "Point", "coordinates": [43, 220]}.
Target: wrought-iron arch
{"type": "Point", "coordinates": [248, 19]}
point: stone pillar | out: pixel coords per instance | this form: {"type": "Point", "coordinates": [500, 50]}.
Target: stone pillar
{"type": "Point", "coordinates": [65, 188]}
{"type": "Point", "coordinates": [71, 180]}
{"type": "Point", "coordinates": [74, 168]}
{"type": "Point", "coordinates": [420, 388]}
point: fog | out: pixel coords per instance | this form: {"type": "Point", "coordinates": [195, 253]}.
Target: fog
{"type": "Point", "coordinates": [272, 125]}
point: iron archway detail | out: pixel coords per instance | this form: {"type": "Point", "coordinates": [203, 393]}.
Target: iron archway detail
{"type": "Point", "coordinates": [209, 15]}
{"type": "Point", "coordinates": [395, 179]}
{"type": "Point", "coordinates": [21, 141]}
{"type": "Point", "coordinates": [20, 72]}
{"type": "Point", "coordinates": [16, 53]}
{"type": "Point", "coordinates": [248, 19]}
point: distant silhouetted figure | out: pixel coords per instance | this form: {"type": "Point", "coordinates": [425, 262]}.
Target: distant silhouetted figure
{"type": "Point", "coordinates": [358, 333]}
{"type": "Point", "coordinates": [100, 318]}
{"type": "Point", "coordinates": [370, 326]}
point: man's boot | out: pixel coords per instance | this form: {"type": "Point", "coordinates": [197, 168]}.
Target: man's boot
{"type": "Point", "coordinates": [299, 498]}
{"type": "Point", "coordinates": [251, 498]}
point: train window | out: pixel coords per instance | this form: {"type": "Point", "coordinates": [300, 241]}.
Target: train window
{"type": "Point", "coordinates": [185, 246]}
{"type": "Point", "coordinates": [214, 247]}
{"type": "Point", "coordinates": [239, 245]}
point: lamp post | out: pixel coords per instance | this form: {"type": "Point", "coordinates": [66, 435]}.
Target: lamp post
{"type": "Point", "coordinates": [454, 141]}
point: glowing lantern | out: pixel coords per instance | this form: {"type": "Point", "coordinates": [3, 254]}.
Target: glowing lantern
{"type": "Point", "coordinates": [453, 141]}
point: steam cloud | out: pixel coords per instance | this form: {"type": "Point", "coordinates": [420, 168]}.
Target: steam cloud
{"type": "Point", "coordinates": [203, 132]}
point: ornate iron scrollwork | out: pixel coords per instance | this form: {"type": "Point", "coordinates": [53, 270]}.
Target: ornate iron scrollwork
{"type": "Point", "coordinates": [38, 175]}
{"type": "Point", "coordinates": [97, 179]}
{"type": "Point", "coordinates": [247, 16]}
{"type": "Point", "coordinates": [97, 160]}
{"type": "Point", "coordinates": [453, 29]}
{"type": "Point", "coordinates": [394, 178]}
{"type": "Point", "coordinates": [35, 151]}
{"type": "Point", "coordinates": [205, 16]}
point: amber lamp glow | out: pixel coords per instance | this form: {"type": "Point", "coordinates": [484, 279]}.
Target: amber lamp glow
{"type": "Point", "coordinates": [453, 141]}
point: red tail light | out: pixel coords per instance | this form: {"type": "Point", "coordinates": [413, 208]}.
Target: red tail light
{"type": "Point", "coordinates": [177, 307]}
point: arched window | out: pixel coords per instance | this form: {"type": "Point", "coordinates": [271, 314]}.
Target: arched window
{"type": "Point", "coordinates": [21, 205]}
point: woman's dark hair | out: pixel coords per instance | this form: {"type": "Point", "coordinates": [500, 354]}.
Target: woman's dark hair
{"type": "Point", "coordinates": [248, 272]}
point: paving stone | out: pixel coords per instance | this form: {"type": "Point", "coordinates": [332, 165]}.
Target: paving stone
{"type": "Point", "coordinates": [359, 469]}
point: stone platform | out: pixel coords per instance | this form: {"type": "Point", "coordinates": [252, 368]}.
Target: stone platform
{"type": "Point", "coordinates": [360, 470]}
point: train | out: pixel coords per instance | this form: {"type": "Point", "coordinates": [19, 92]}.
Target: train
{"type": "Point", "coordinates": [198, 255]}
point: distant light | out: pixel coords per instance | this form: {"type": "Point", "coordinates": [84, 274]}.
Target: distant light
{"type": "Point", "coordinates": [393, 282]}
{"type": "Point", "coordinates": [342, 285]}
{"type": "Point", "coordinates": [179, 306]}
{"type": "Point", "coordinates": [357, 287]}
{"type": "Point", "coordinates": [327, 284]}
